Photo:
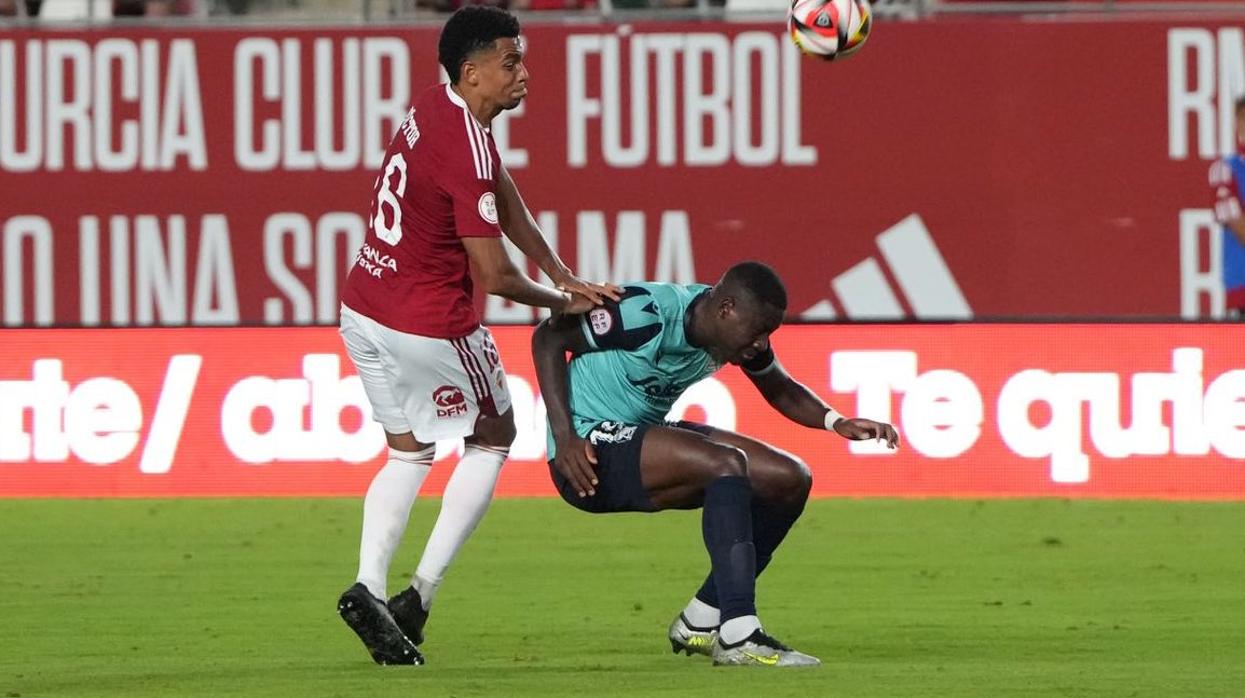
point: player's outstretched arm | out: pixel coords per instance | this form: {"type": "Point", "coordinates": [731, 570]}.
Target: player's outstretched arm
{"type": "Point", "coordinates": [551, 341]}
{"type": "Point", "coordinates": [797, 402]}
{"type": "Point", "coordinates": [501, 277]}
{"type": "Point", "coordinates": [518, 225]}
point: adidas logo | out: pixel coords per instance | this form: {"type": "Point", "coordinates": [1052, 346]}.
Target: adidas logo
{"type": "Point", "coordinates": [923, 279]}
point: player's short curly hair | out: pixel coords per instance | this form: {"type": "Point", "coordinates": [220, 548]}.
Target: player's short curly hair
{"type": "Point", "coordinates": [760, 281]}
{"type": "Point", "coordinates": [472, 28]}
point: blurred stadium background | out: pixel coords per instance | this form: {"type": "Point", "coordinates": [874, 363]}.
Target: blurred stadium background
{"type": "Point", "coordinates": [995, 225]}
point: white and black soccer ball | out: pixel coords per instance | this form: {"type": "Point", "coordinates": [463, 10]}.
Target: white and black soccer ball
{"type": "Point", "coordinates": [830, 29]}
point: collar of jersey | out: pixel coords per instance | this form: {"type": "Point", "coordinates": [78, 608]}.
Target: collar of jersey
{"type": "Point", "coordinates": [687, 318]}
{"type": "Point", "coordinates": [458, 101]}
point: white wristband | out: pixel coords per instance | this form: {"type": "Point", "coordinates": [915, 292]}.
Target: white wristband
{"type": "Point", "coordinates": [832, 416]}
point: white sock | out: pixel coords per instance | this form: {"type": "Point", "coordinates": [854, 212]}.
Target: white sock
{"type": "Point", "coordinates": [426, 590]}
{"type": "Point", "coordinates": [386, 508]}
{"type": "Point", "coordinates": [702, 615]}
{"type": "Point", "coordinates": [467, 496]}
{"type": "Point", "coordinates": [737, 629]}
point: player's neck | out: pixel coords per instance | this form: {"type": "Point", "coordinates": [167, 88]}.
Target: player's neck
{"type": "Point", "coordinates": [478, 106]}
{"type": "Point", "coordinates": [697, 323]}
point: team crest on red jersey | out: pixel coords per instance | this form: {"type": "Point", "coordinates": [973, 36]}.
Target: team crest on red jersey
{"type": "Point", "coordinates": [488, 207]}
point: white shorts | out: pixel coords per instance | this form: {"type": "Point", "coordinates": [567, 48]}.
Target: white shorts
{"type": "Point", "coordinates": [435, 388]}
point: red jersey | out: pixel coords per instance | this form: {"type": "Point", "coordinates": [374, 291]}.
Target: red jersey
{"type": "Point", "coordinates": [438, 183]}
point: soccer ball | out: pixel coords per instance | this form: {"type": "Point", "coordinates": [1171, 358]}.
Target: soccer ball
{"type": "Point", "coordinates": [829, 29]}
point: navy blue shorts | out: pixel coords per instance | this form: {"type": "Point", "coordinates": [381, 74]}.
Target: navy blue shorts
{"type": "Point", "coordinates": [619, 484]}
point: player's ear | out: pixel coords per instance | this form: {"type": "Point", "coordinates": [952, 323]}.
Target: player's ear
{"type": "Point", "coordinates": [727, 307]}
{"type": "Point", "coordinates": [469, 74]}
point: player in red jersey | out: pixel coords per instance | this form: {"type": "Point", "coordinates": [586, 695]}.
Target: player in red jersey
{"type": "Point", "coordinates": [431, 371]}
{"type": "Point", "coordinates": [1227, 181]}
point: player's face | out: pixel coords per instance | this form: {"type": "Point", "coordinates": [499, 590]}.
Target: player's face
{"type": "Point", "coordinates": [744, 329]}
{"type": "Point", "coordinates": [502, 74]}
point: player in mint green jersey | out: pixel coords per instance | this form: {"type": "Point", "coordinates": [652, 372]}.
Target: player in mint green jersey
{"type": "Point", "coordinates": [611, 449]}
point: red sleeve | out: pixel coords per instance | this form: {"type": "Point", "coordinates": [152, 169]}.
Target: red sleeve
{"type": "Point", "coordinates": [1227, 205]}
{"type": "Point", "coordinates": [470, 179]}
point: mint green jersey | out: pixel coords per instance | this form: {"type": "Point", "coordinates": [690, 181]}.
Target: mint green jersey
{"type": "Point", "coordinates": [642, 360]}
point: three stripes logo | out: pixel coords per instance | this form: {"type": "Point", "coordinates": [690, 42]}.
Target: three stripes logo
{"type": "Point", "coordinates": [919, 271]}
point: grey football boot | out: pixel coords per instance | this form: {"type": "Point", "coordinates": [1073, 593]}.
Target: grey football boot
{"type": "Point", "coordinates": [685, 637]}
{"type": "Point", "coordinates": [759, 649]}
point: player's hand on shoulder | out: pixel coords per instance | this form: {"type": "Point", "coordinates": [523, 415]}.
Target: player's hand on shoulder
{"type": "Point", "coordinates": [576, 460]}
{"type": "Point", "coordinates": [862, 429]}
{"type": "Point", "coordinates": [597, 293]}
{"type": "Point", "coordinates": [577, 304]}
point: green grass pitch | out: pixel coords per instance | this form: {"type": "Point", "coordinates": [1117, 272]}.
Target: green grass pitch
{"type": "Point", "coordinates": [898, 598]}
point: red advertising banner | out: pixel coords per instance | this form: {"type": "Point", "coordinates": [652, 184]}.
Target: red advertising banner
{"type": "Point", "coordinates": [199, 176]}
{"type": "Point", "coordinates": [983, 410]}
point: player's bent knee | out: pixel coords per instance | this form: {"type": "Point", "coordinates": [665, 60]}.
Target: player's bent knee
{"type": "Point", "coordinates": [786, 482]}
{"type": "Point", "coordinates": [799, 479]}
{"type": "Point", "coordinates": [404, 442]}
{"type": "Point", "coordinates": [499, 431]}
{"type": "Point", "coordinates": [728, 461]}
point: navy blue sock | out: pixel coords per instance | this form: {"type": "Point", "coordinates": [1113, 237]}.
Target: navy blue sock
{"type": "Point", "coordinates": [727, 527]}
{"type": "Point", "coordinates": [770, 525]}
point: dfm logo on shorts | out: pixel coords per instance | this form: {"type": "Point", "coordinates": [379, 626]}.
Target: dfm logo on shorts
{"type": "Point", "coordinates": [450, 401]}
